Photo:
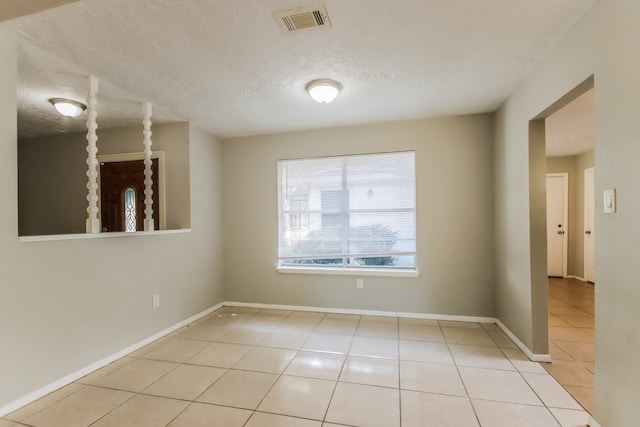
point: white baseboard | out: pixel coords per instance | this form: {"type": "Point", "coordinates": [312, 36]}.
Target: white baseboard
{"type": "Point", "coordinates": [533, 357]}
{"type": "Point", "coordinates": [520, 344]}
{"type": "Point", "coordinates": [363, 312]}
{"type": "Point", "coordinates": [593, 423]}
{"type": "Point", "coordinates": [582, 279]}
{"type": "Point", "coordinates": [43, 391]}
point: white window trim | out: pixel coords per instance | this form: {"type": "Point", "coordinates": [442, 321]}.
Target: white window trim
{"type": "Point", "coordinates": [349, 271]}
{"type": "Point", "coordinates": [343, 270]}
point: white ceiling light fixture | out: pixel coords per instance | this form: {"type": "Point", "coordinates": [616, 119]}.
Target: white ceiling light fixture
{"type": "Point", "coordinates": [323, 90]}
{"type": "Point", "coordinates": [68, 107]}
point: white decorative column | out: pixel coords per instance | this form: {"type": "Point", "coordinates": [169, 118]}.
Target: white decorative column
{"type": "Point", "coordinates": [93, 223]}
{"type": "Point", "coordinates": [148, 179]}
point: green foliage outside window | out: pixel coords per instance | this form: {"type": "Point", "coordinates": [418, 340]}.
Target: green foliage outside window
{"type": "Point", "coordinates": [371, 238]}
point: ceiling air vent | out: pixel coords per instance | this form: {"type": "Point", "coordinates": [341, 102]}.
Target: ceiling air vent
{"type": "Point", "coordinates": [304, 18]}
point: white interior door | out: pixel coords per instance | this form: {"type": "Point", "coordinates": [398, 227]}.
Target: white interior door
{"type": "Point", "coordinates": [557, 217]}
{"type": "Point", "coordinates": [589, 228]}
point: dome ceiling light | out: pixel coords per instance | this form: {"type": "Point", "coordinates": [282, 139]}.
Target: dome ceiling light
{"type": "Point", "coordinates": [323, 90]}
{"type": "Point", "coordinates": [68, 107]}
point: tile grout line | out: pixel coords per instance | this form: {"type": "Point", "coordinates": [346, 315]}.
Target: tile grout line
{"type": "Point", "coordinates": [344, 362]}
{"type": "Point", "coordinates": [140, 393]}
{"type": "Point", "coordinates": [167, 373]}
{"type": "Point", "coordinates": [310, 332]}
{"type": "Point", "coordinates": [274, 383]}
{"type": "Point", "coordinates": [522, 376]}
{"type": "Point", "coordinates": [466, 390]}
{"type": "Point", "coordinates": [573, 290]}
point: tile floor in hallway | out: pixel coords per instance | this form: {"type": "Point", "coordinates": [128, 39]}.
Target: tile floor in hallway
{"type": "Point", "coordinates": [250, 367]}
{"type": "Point", "coordinates": [571, 337]}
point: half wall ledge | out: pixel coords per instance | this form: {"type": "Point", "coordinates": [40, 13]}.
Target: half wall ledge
{"type": "Point", "coordinates": [81, 236]}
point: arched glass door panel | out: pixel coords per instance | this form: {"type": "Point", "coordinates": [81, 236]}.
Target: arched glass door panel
{"type": "Point", "coordinates": [130, 209]}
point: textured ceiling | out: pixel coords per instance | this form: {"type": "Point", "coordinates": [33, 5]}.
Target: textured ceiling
{"type": "Point", "coordinates": [43, 76]}
{"type": "Point", "coordinates": [228, 66]}
{"type": "Point", "coordinates": [571, 130]}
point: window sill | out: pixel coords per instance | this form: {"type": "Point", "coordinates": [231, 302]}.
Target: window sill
{"type": "Point", "coordinates": [348, 271]}
{"type": "Point", "coordinates": [82, 236]}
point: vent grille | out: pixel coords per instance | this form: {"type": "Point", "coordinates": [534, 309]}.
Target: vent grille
{"type": "Point", "coordinates": [304, 18]}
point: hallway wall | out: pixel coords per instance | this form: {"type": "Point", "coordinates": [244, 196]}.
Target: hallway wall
{"type": "Point", "coordinates": [603, 44]}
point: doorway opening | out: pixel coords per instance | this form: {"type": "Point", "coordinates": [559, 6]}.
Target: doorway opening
{"type": "Point", "coordinates": [121, 191]}
{"type": "Point", "coordinates": [122, 195]}
{"type": "Point", "coordinates": [563, 306]}
{"type": "Point", "coordinates": [589, 226]}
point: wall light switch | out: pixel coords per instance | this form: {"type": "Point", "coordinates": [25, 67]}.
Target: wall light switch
{"type": "Point", "coordinates": [155, 302]}
{"type": "Point", "coordinates": [359, 284]}
{"type": "Point", "coordinates": [610, 201]}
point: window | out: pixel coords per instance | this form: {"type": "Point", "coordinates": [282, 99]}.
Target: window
{"type": "Point", "coordinates": [130, 210]}
{"type": "Point", "coordinates": [348, 212]}
{"type": "Point", "coordinates": [299, 203]}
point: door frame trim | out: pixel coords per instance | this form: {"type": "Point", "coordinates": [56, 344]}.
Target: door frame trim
{"type": "Point", "coordinates": [126, 157]}
{"type": "Point", "coordinates": [584, 214]}
{"type": "Point", "coordinates": [565, 218]}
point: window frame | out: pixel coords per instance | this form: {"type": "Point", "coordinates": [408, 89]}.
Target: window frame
{"type": "Point", "coordinates": [344, 267]}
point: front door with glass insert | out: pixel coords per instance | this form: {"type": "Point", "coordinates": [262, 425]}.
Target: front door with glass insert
{"type": "Point", "coordinates": [122, 195]}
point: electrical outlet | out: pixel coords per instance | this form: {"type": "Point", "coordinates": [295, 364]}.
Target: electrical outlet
{"type": "Point", "coordinates": [359, 284]}
{"type": "Point", "coordinates": [155, 301]}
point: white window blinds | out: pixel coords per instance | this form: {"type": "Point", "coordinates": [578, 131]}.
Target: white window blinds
{"type": "Point", "coordinates": [349, 211]}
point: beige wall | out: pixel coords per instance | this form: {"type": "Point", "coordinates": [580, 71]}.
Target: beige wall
{"type": "Point", "coordinates": [454, 218]}
{"type": "Point", "coordinates": [603, 43]}
{"type": "Point", "coordinates": [574, 166]}
{"type": "Point", "coordinates": [14, 8]}
{"type": "Point", "coordinates": [52, 192]}
{"type": "Point", "coordinates": [66, 312]}
{"type": "Point", "coordinates": [67, 304]}
{"type": "Point", "coordinates": [52, 176]}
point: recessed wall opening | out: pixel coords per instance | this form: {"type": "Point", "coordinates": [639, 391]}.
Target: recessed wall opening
{"type": "Point", "coordinates": [52, 193]}
{"type": "Point", "coordinates": [127, 172]}
{"type": "Point", "coordinates": [562, 295]}
{"type": "Point", "coordinates": [52, 150]}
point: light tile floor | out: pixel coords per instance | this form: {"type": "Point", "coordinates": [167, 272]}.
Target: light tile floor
{"type": "Point", "coordinates": [571, 337]}
{"type": "Point", "coordinates": [271, 368]}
